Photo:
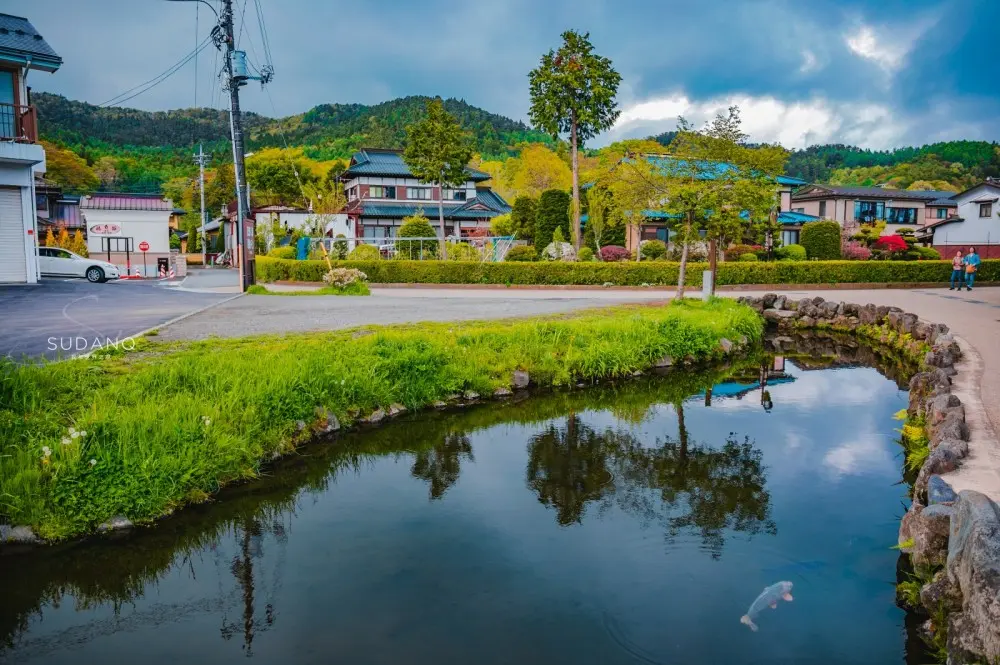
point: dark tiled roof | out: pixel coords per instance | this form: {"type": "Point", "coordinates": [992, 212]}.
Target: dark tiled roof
{"type": "Point", "coordinates": [385, 162]}
{"type": "Point", "coordinates": [19, 37]}
{"type": "Point", "coordinates": [877, 193]}
{"type": "Point", "coordinates": [489, 199]}
{"type": "Point", "coordinates": [101, 201]}
{"type": "Point", "coordinates": [486, 205]}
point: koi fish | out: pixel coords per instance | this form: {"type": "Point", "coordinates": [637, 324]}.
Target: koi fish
{"type": "Point", "coordinates": [768, 598]}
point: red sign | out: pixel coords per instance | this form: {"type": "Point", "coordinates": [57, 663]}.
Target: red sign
{"type": "Point", "coordinates": [143, 246]}
{"type": "Point", "coordinates": [106, 229]}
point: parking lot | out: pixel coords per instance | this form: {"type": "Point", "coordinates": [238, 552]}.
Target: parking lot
{"type": "Point", "coordinates": [60, 317]}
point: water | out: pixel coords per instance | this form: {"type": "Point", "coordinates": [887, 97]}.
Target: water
{"type": "Point", "coordinates": [631, 524]}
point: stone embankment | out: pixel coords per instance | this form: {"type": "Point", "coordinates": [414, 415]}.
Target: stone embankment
{"type": "Point", "coordinates": [957, 533]}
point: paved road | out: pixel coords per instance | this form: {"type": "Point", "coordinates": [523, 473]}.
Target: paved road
{"type": "Point", "coordinates": [36, 320]}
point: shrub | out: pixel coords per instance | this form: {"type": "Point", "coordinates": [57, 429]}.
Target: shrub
{"type": "Point", "coordinates": [891, 244]}
{"type": "Point", "coordinates": [791, 253]}
{"type": "Point", "coordinates": [734, 252]}
{"type": "Point", "coordinates": [522, 253]}
{"type": "Point", "coordinates": [927, 253]}
{"type": "Point", "coordinates": [339, 249]}
{"type": "Point", "coordinates": [286, 252]}
{"type": "Point", "coordinates": [341, 277]}
{"type": "Point", "coordinates": [523, 216]}
{"type": "Point", "coordinates": [652, 249]}
{"type": "Point", "coordinates": [462, 251]}
{"type": "Point", "coordinates": [612, 253]}
{"type": "Point", "coordinates": [553, 213]}
{"type": "Point", "coordinates": [586, 254]}
{"type": "Point", "coordinates": [364, 253]}
{"type": "Point", "coordinates": [175, 241]}
{"type": "Point", "coordinates": [856, 251]}
{"type": "Point", "coordinates": [821, 240]}
{"type": "Point", "coordinates": [502, 225]}
{"type": "Point", "coordinates": [416, 226]}
{"type": "Point", "coordinates": [749, 257]}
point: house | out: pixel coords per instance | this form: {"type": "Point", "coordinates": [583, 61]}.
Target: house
{"type": "Point", "coordinates": [22, 50]}
{"type": "Point", "coordinates": [976, 223]}
{"type": "Point", "coordinates": [119, 224]}
{"type": "Point", "coordinates": [55, 210]}
{"type": "Point", "coordinates": [851, 206]}
{"type": "Point", "coordinates": [381, 191]}
{"type": "Point", "coordinates": [290, 218]}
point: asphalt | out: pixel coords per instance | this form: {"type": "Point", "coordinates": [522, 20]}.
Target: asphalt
{"type": "Point", "coordinates": [62, 317]}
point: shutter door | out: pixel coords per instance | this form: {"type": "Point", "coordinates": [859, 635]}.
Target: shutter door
{"type": "Point", "coordinates": [12, 237]}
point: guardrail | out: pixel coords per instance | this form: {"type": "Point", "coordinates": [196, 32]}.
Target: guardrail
{"type": "Point", "coordinates": [18, 123]}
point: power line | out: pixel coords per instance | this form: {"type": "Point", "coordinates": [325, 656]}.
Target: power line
{"type": "Point", "coordinates": [266, 43]}
{"type": "Point", "coordinates": [155, 81]}
{"type": "Point", "coordinates": [196, 8]}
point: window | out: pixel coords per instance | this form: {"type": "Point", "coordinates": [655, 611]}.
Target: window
{"type": "Point", "coordinates": [869, 211]}
{"type": "Point", "coordinates": [802, 210]}
{"type": "Point", "coordinates": [455, 194]}
{"type": "Point", "coordinates": [942, 213]}
{"type": "Point", "coordinates": [61, 254]}
{"type": "Point", "coordinates": [419, 193]}
{"type": "Point", "coordinates": [822, 208]}
{"type": "Point", "coordinates": [901, 215]}
{"type": "Point", "coordinates": [381, 192]}
{"type": "Point", "coordinates": [789, 238]}
{"type": "Point", "coordinates": [985, 209]}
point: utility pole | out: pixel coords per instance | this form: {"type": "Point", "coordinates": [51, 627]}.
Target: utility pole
{"type": "Point", "coordinates": [200, 160]}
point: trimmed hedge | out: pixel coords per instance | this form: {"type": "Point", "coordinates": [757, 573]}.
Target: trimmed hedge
{"type": "Point", "coordinates": [625, 273]}
{"type": "Point", "coordinates": [821, 240]}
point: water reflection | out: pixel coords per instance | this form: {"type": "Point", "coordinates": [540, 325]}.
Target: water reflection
{"type": "Point", "coordinates": [585, 456]}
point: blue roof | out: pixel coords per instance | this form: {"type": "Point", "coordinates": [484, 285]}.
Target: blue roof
{"type": "Point", "coordinates": [385, 162]}
{"type": "Point", "coordinates": [789, 217]}
{"type": "Point", "coordinates": [789, 180]}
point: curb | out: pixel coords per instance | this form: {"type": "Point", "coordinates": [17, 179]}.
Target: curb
{"type": "Point", "coordinates": [838, 286]}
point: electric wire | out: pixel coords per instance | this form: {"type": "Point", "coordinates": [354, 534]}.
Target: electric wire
{"type": "Point", "coordinates": [155, 81]}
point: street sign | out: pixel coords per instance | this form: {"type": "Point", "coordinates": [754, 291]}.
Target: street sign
{"type": "Point", "coordinates": [143, 246]}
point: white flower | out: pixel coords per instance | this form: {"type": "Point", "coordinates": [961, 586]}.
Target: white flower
{"type": "Point", "coordinates": [74, 434]}
{"type": "Point", "coordinates": [72, 430]}
{"type": "Point", "coordinates": [83, 434]}
{"type": "Point", "coordinates": [93, 462]}
{"type": "Point", "coordinates": [66, 441]}
{"type": "Point", "coordinates": [46, 451]}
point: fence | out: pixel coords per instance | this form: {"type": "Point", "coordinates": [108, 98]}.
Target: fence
{"type": "Point", "coordinates": [488, 249]}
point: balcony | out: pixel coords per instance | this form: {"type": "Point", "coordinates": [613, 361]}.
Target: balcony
{"type": "Point", "coordinates": [18, 123]}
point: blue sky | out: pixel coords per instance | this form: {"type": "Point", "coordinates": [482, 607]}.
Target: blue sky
{"type": "Point", "coordinates": [872, 73]}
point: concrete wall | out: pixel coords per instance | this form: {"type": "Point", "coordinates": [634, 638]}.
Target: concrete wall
{"type": "Point", "coordinates": [139, 225]}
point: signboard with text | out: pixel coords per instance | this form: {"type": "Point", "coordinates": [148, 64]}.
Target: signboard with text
{"type": "Point", "coordinates": [106, 229]}
{"type": "Point", "coordinates": [143, 246]}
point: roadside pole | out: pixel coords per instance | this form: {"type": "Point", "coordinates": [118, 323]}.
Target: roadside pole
{"type": "Point", "coordinates": [201, 158]}
{"type": "Point", "coordinates": [144, 247]}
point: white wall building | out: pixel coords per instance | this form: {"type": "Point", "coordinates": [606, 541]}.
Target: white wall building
{"type": "Point", "coordinates": [976, 223]}
{"type": "Point", "coordinates": [22, 49]}
{"type": "Point", "coordinates": [119, 224]}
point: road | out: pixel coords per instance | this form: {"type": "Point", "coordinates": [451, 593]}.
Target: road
{"type": "Point", "coordinates": [59, 318]}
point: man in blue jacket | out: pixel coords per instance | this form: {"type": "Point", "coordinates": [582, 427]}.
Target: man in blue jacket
{"type": "Point", "coordinates": [972, 262]}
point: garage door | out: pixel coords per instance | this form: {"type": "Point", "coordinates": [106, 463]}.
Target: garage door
{"type": "Point", "coordinates": [12, 237]}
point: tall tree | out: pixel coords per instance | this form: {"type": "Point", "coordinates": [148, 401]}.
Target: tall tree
{"type": "Point", "coordinates": [437, 151]}
{"type": "Point", "coordinates": [573, 91]}
{"type": "Point", "coordinates": [68, 170]}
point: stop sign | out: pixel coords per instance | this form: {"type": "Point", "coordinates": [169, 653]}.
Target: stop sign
{"type": "Point", "coordinates": [143, 246]}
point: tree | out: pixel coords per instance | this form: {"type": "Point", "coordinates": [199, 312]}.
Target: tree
{"type": "Point", "coordinates": [50, 238]}
{"type": "Point", "coordinates": [78, 245]}
{"type": "Point", "coordinates": [106, 170]}
{"type": "Point", "coordinates": [279, 176]}
{"type": "Point", "coordinates": [501, 225]}
{"type": "Point", "coordinates": [553, 213]}
{"type": "Point", "coordinates": [416, 226]}
{"type": "Point", "coordinates": [522, 217]}
{"type": "Point", "coordinates": [573, 91]}
{"type": "Point", "coordinates": [437, 151]}
{"type": "Point", "coordinates": [536, 169]}
{"type": "Point", "coordinates": [601, 215]}
{"type": "Point", "coordinates": [68, 170]}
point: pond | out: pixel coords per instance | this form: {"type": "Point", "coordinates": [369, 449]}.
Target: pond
{"type": "Point", "coordinates": [633, 523]}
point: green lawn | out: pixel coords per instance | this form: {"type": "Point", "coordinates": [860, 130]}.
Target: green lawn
{"type": "Point", "coordinates": [170, 423]}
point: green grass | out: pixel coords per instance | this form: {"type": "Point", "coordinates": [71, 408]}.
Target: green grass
{"type": "Point", "coordinates": [354, 289]}
{"type": "Point", "coordinates": [172, 422]}
{"type": "Point", "coordinates": [916, 446]}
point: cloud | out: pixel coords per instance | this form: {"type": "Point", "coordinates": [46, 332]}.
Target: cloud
{"type": "Point", "coordinates": [809, 62]}
{"type": "Point", "coordinates": [866, 451]}
{"type": "Point", "coordinates": [867, 45]}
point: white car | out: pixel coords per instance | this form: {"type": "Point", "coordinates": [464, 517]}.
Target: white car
{"type": "Point", "coordinates": [58, 262]}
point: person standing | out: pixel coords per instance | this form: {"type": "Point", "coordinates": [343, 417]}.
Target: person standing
{"type": "Point", "coordinates": [957, 271]}
{"type": "Point", "coordinates": [972, 262]}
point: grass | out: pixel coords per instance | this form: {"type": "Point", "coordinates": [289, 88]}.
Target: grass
{"type": "Point", "coordinates": [913, 438]}
{"type": "Point", "coordinates": [170, 422]}
{"type": "Point", "coordinates": [353, 289]}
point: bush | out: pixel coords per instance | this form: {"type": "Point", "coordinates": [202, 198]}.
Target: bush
{"type": "Point", "coordinates": [286, 252]}
{"type": "Point", "coordinates": [522, 217]}
{"type": "Point", "coordinates": [416, 226]}
{"type": "Point", "coordinates": [364, 253]}
{"type": "Point", "coordinates": [339, 249]}
{"type": "Point", "coordinates": [522, 253]}
{"type": "Point", "coordinates": [553, 213]}
{"type": "Point", "coordinates": [341, 277]}
{"type": "Point", "coordinates": [856, 251]}
{"type": "Point", "coordinates": [893, 243]}
{"type": "Point", "coordinates": [927, 253]}
{"type": "Point", "coordinates": [651, 250]}
{"type": "Point", "coordinates": [612, 253]}
{"type": "Point", "coordinates": [791, 253]}
{"type": "Point", "coordinates": [586, 254]}
{"type": "Point", "coordinates": [749, 257]}
{"type": "Point", "coordinates": [625, 274]}
{"type": "Point", "coordinates": [175, 241]}
{"type": "Point", "coordinates": [734, 252]}
{"type": "Point", "coordinates": [821, 240]}
{"type": "Point", "coordinates": [502, 225]}
{"type": "Point", "coordinates": [463, 251]}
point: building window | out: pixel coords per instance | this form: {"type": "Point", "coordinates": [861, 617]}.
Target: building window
{"type": "Point", "coordinates": [802, 210]}
{"type": "Point", "coordinates": [382, 192]}
{"type": "Point", "coordinates": [822, 208]}
{"type": "Point", "coordinates": [869, 211]}
{"type": "Point", "coordinates": [419, 193]}
{"type": "Point", "coordinates": [942, 213]}
{"type": "Point", "coordinates": [901, 215]}
{"type": "Point", "coordinates": [789, 238]}
{"type": "Point", "coordinates": [455, 194]}
{"type": "Point", "coordinates": [985, 209]}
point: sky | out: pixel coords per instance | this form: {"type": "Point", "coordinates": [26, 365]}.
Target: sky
{"type": "Point", "coordinates": [874, 73]}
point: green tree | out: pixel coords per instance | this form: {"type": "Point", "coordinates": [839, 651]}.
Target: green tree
{"type": "Point", "coordinates": [68, 170]}
{"type": "Point", "coordinates": [437, 151]}
{"type": "Point", "coordinates": [416, 226]}
{"type": "Point", "coordinates": [501, 225]}
{"type": "Point", "coordinates": [522, 217]}
{"type": "Point", "coordinates": [601, 215]}
{"type": "Point", "coordinates": [553, 213]}
{"type": "Point", "coordinates": [573, 91]}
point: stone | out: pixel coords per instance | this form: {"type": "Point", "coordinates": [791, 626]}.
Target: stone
{"type": "Point", "coordinates": [828, 309]}
{"type": "Point", "coordinates": [936, 332]}
{"type": "Point", "coordinates": [881, 311]}
{"type": "Point", "coordinates": [851, 309]}
{"type": "Point", "coordinates": [941, 593]}
{"type": "Point", "coordinates": [778, 314]}
{"type": "Point", "coordinates": [725, 345]}
{"type": "Point", "coordinates": [868, 314]}
{"type": "Point", "coordinates": [807, 321]}
{"type": "Point", "coordinates": [779, 302]}
{"type": "Point", "coordinates": [768, 300]}
{"type": "Point", "coordinates": [908, 323]}
{"type": "Point", "coordinates": [438, 404]}
{"type": "Point", "coordinates": [791, 304]}
{"type": "Point", "coordinates": [922, 330]}
{"type": "Point", "coordinates": [930, 535]}
{"type": "Point", "coordinates": [396, 408]}
{"type": "Point", "coordinates": [22, 535]}
{"type": "Point", "coordinates": [520, 380]}
{"type": "Point", "coordinates": [377, 416]}
{"type": "Point", "coordinates": [939, 491]}
{"type": "Point", "coordinates": [817, 300]}
{"type": "Point", "coordinates": [893, 318]}
{"type": "Point", "coordinates": [974, 566]}
{"type": "Point", "coordinates": [941, 460]}
{"type": "Point", "coordinates": [952, 427]}
{"type": "Point", "coordinates": [958, 448]}
{"type": "Point", "coordinates": [665, 361]}
{"type": "Point", "coordinates": [329, 424]}
{"type": "Point", "coordinates": [300, 425]}
{"type": "Point", "coordinates": [470, 395]}
{"type": "Point", "coordinates": [840, 309]}
{"type": "Point", "coordinates": [116, 523]}
{"type": "Point", "coordinates": [938, 408]}
{"type": "Point", "coordinates": [503, 391]}
{"type": "Point", "coordinates": [938, 357]}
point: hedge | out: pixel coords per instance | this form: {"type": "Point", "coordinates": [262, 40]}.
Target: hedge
{"type": "Point", "coordinates": [821, 240]}
{"type": "Point", "coordinates": [625, 273]}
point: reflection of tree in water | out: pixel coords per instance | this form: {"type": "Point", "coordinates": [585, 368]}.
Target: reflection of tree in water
{"type": "Point", "coordinates": [678, 484]}
{"type": "Point", "coordinates": [441, 465]}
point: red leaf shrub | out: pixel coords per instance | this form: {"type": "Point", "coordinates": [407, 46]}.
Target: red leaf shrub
{"type": "Point", "coordinates": [891, 244]}
{"type": "Point", "coordinates": [614, 253]}
{"type": "Point", "coordinates": [734, 252]}
{"type": "Point", "coordinates": [856, 251]}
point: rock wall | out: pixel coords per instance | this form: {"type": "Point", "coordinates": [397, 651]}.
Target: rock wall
{"type": "Point", "coordinates": [959, 533]}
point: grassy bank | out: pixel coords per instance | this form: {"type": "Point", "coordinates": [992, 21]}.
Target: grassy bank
{"type": "Point", "coordinates": [625, 274]}
{"type": "Point", "coordinates": [141, 433]}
